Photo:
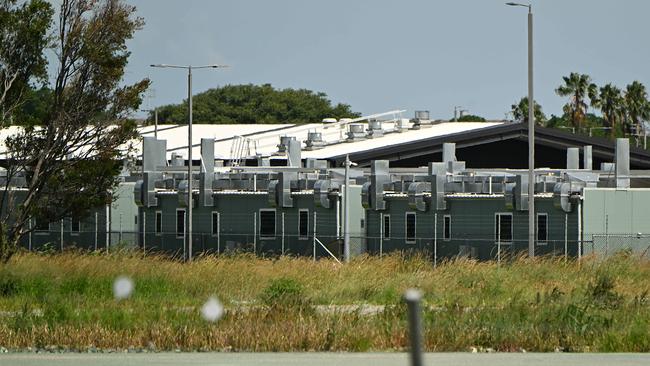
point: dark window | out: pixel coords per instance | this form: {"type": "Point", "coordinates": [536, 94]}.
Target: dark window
{"type": "Point", "coordinates": [42, 225]}
{"type": "Point", "coordinates": [446, 230]}
{"type": "Point", "coordinates": [75, 225]}
{"type": "Point", "coordinates": [267, 223]}
{"type": "Point", "coordinates": [542, 228]}
{"type": "Point", "coordinates": [410, 226]}
{"type": "Point", "coordinates": [158, 222]}
{"type": "Point", "coordinates": [387, 227]}
{"type": "Point", "coordinates": [215, 223]}
{"type": "Point", "coordinates": [303, 223]}
{"type": "Point", "coordinates": [180, 223]}
{"type": "Point", "coordinates": [503, 227]}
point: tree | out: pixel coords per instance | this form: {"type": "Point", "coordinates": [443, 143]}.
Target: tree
{"type": "Point", "coordinates": [636, 105]}
{"type": "Point", "coordinates": [255, 104]}
{"type": "Point", "coordinates": [23, 35]}
{"type": "Point", "coordinates": [71, 158]}
{"type": "Point", "coordinates": [520, 112]}
{"type": "Point", "coordinates": [470, 118]}
{"type": "Point", "coordinates": [578, 87]}
{"type": "Point", "coordinates": [611, 103]}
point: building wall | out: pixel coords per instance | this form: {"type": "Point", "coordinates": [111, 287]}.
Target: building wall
{"type": "Point", "coordinates": [472, 226]}
{"type": "Point", "coordinates": [622, 215]}
{"type": "Point", "coordinates": [239, 226]}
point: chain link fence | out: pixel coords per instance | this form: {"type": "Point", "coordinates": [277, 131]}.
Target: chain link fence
{"type": "Point", "coordinates": [610, 244]}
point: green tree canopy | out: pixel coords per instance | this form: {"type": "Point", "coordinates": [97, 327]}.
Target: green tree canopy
{"type": "Point", "coordinates": [470, 118]}
{"type": "Point", "coordinates": [520, 112]}
{"type": "Point", "coordinates": [255, 104]}
{"type": "Point", "coordinates": [578, 87]}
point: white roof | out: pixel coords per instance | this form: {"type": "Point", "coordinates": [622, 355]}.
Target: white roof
{"type": "Point", "coordinates": [262, 140]}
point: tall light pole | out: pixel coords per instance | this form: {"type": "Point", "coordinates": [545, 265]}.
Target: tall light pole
{"type": "Point", "coordinates": [531, 135]}
{"type": "Point", "coordinates": [189, 145]}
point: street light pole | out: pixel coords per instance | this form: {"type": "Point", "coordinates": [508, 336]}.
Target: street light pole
{"type": "Point", "coordinates": [189, 146]}
{"type": "Point", "coordinates": [531, 135]}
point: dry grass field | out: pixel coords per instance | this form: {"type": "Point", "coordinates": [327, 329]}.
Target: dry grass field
{"type": "Point", "coordinates": [65, 302]}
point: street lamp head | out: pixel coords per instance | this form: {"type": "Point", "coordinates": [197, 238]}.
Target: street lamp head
{"type": "Point", "coordinates": [519, 4]}
{"type": "Point", "coordinates": [158, 65]}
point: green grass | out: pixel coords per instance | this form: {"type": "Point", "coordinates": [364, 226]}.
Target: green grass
{"type": "Point", "coordinates": [66, 300]}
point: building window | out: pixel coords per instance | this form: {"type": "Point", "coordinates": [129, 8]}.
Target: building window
{"type": "Point", "coordinates": [180, 223]}
{"type": "Point", "coordinates": [542, 228]}
{"type": "Point", "coordinates": [75, 225]}
{"type": "Point", "coordinates": [503, 228]}
{"type": "Point", "coordinates": [446, 228]}
{"type": "Point", "coordinates": [158, 223]}
{"type": "Point", "coordinates": [410, 227]}
{"type": "Point", "coordinates": [303, 223]}
{"type": "Point", "coordinates": [215, 224]}
{"type": "Point", "coordinates": [387, 227]}
{"type": "Point", "coordinates": [267, 224]}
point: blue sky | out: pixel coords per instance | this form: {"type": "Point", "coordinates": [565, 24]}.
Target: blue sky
{"type": "Point", "coordinates": [382, 55]}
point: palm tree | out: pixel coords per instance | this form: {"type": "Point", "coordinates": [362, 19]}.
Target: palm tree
{"type": "Point", "coordinates": [578, 87]}
{"type": "Point", "coordinates": [520, 112]}
{"type": "Point", "coordinates": [611, 103]}
{"type": "Point", "coordinates": [636, 105]}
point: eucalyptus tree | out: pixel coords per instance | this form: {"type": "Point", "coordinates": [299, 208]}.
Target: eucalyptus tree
{"type": "Point", "coordinates": [579, 88]}
{"type": "Point", "coordinates": [637, 106]}
{"type": "Point", "coordinates": [70, 158]}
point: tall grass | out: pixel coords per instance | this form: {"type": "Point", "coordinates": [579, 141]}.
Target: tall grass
{"type": "Point", "coordinates": [288, 304]}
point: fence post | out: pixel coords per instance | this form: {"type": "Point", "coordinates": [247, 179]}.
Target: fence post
{"type": "Point", "coordinates": [61, 235]}
{"type": "Point", "coordinates": [218, 232]}
{"type": "Point", "coordinates": [413, 297]}
{"type": "Point", "coordinates": [255, 232]}
{"type": "Point", "coordinates": [381, 234]}
{"type": "Point", "coordinates": [566, 236]}
{"type": "Point", "coordinates": [96, 227]}
{"type": "Point", "coordinates": [144, 232]}
{"type": "Point", "coordinates": [120, 227]}
{"type": "Point", "coordinates": [435, 239]}
{"type": "Point", "coordinates": [499, 239]}
{"type": "Point", "coordinates": [30, 234]}
{"type": "Point", "coordinates": [283, 232]}
{"type": "Point", "coordinates": [314, 238]}
{"type": "Point", "coordinates": [606, 235]}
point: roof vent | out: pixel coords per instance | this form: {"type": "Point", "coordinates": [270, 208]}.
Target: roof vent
{"type": "Point", "coordinates": [314, 141]}
{"type": "Point", "coordinates": [421, 120]}
{"type": "Point", "coordinates": [402, 125]}
{"type": "Point", "coordinates": [284, 144]}
{"type": "Point", "coordinates": [356, 132]}
{"type": "Point", "coordinates": [177, 159]}
{"type": "Point", "coordinates": [374, 128]}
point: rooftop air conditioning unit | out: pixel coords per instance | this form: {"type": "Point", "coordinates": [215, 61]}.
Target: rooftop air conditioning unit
{"type": "Point", "coordinates": [329, 120]}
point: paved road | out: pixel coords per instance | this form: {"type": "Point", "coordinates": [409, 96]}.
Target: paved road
{"type": "Point", "coordinates": [322, 359]}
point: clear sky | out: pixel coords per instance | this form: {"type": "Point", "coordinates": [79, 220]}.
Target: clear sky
{"type": "Point", "coordinates": [381, 55]}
